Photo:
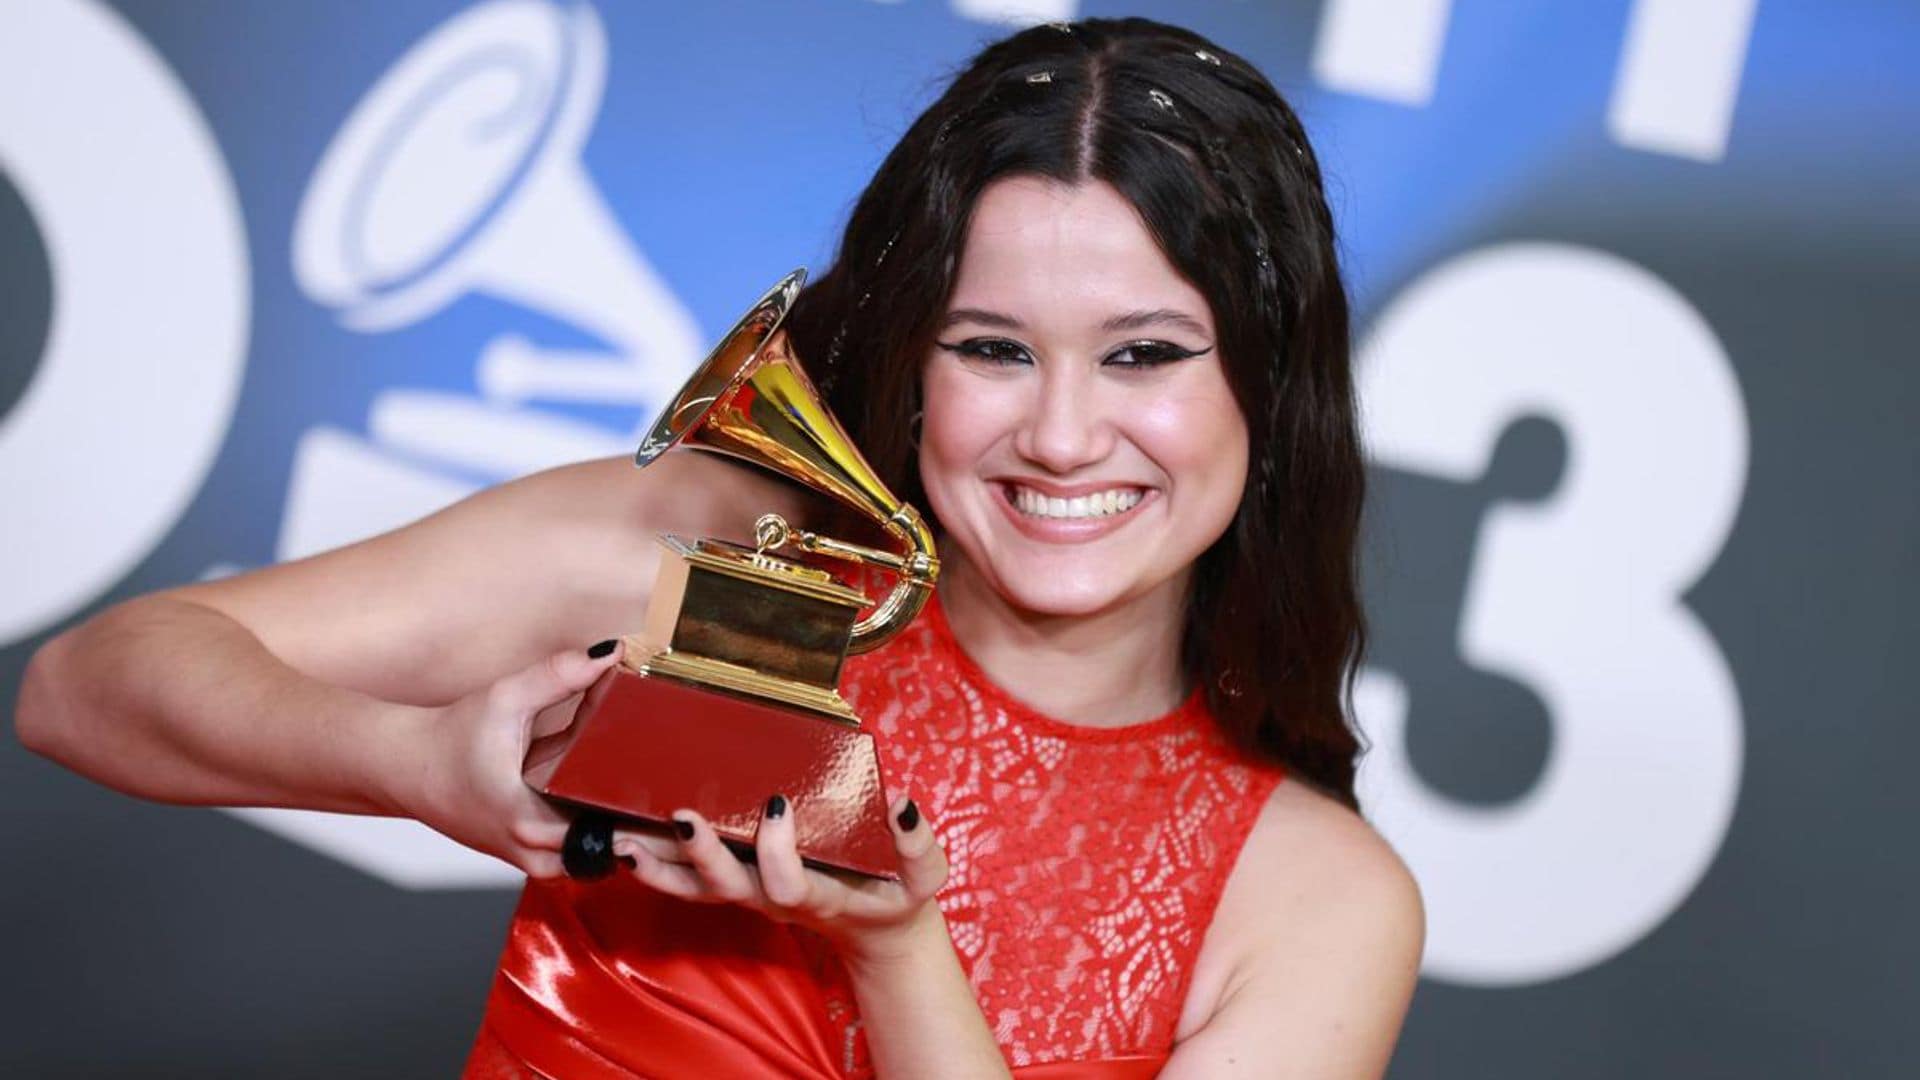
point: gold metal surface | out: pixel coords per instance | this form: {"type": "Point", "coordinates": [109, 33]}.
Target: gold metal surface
{"type": "Point", "coordinates": [726, 603]}
{"type": "Point", "coordinates": [706, 672]}
{"type": "Point", "coordinates": [744, 562]}
{"type": "Point", "coordinates": [752, 401]}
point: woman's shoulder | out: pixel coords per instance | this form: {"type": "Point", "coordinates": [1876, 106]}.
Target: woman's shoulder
{"type": "Point", "coordinates": [1316, 895]}
{"type": "Point", "coordinates": [1309, 846]}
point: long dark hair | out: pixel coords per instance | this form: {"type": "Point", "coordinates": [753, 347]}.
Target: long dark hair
{"type": "Point", "coordinates": [1220, 170]}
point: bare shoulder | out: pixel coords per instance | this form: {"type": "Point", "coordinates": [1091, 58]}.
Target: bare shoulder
{"type": "Point", "coordinates": [1320, 917]}
{"type": "Point", "coordinates": [1312, 858]}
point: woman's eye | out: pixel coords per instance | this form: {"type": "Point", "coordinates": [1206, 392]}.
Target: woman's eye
{"type": "Point", "coordinates": [989, 350]}
{"type": "Point", "coordinates": [1150, 353]}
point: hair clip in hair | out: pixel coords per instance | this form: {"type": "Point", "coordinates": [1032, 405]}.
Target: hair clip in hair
{"type": "Point", "coordinates": [882, 257]}
{"type": "Point", "coordinates": [1040, 77]}
{"type": "Point", "coordinates": [1207, 56]}
{"type": "Point", "coordinates": [1159, 97]}
{"type": "Point", "coordinates": [1065, 28]}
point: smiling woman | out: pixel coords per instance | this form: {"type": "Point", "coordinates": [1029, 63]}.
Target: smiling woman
{"type": "Point", "coordinates": [1079, 468]}
{"type": "Point", "coordinates": [1111, 183]}
{"type": "Point", "coordinates": [1088, 313]}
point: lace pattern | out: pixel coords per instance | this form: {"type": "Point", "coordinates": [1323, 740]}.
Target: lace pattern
{"type": "Point", "coordinates": [1086, 862]}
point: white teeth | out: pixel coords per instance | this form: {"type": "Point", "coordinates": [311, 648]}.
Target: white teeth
{"type": "Point", "coordinates": [1098, 504]}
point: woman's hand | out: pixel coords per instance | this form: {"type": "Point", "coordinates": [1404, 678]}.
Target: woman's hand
{"type": "Point", "coordinates": [467, 782]}
{"type": "Point", "coordinates": [866, 918]}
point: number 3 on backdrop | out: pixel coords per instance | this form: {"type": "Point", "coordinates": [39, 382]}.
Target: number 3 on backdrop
{"type": "Point", "coordinates": [1577, 596]}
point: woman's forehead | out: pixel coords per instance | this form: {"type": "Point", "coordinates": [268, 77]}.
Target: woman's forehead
{"type": "Point", "coordinates": [1066, 253]}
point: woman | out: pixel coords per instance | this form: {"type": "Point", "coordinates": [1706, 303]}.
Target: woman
{"type": "Point", "coordinates": [1088, 314]}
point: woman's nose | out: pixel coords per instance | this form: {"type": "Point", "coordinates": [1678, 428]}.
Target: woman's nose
{"type": "Point", "coordinates": [1066, 427]}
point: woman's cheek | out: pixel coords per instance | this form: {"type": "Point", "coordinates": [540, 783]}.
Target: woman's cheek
{"type": "Point", "coordinates": [1200, 440]}
{"type": "Point", "coordinates": [949, 434]}
{"type": "Point", "coordinates": [961, 420]}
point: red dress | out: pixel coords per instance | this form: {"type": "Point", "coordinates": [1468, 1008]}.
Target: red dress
{"type": "Point", "coordinates": [1086, 864]}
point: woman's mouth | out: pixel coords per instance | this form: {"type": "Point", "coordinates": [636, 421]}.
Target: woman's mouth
{"type": "Point", "coordinates": [1085, 514]}
{"type": "Point", "coordinates": [1116, 500]}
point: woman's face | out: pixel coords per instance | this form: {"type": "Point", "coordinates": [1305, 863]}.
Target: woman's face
{"type": "Point", "coordinates": [1080, 445]}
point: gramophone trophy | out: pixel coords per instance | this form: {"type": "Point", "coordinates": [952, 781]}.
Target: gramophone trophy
{"type": "Point", "coordinates": [730, 693]}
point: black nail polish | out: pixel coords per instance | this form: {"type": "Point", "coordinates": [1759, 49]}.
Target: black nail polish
{"type": "Point", "coordinates": [909, 817]}
{"type": "Point", "coordinates": [602, 649]}
{"type": "Point", "coordinates": [684, 828]}
{"type": "Point", "coordinates": [776, 806]}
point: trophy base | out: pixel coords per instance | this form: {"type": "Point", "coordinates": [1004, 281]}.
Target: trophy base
{"type": "Point", "coordinates": [644, 745]}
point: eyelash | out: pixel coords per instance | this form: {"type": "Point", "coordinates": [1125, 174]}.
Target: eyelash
{"type": "Point", "coordinates": [991, 351]}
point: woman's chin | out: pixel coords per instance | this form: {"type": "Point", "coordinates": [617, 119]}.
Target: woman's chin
{"type": "Point", "coordinates": [1038, 592]}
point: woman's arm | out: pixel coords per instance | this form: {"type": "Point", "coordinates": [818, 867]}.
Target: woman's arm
{"type": "Point", "coordinates": [346, 681]}
{"type": "Point", "coordinates": [915, 1003]}
{"type": "Point", "coordinates": [919, 1011]}
{"type": "Point", "coordinates": [168, 699]}
{"type": "Point", "coordinates": [1328, 929]}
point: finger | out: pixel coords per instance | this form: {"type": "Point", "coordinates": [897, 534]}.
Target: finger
{"type": "Point", "coordinates": [783, 878]}
{"type": "Point", "coordinates": [541, 864]}
{"type": "Point", "coordinates": [726, 877]}
{"type": "Point", "coordinates": [533, 821]}
{"type": "Point", "coordinates": [660, 847]}
{"type": "Point", "coordinates": [558, 677]}
{"type": "Point", "coordinates": [660, 875]}
{"type": "Point", "coordinates": [539, 834]}
{"type": "Point", "coordinates": [923, 865]}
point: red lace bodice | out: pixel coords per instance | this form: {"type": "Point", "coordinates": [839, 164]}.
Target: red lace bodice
{"type": "Point", "coordinates": [1086, 864]}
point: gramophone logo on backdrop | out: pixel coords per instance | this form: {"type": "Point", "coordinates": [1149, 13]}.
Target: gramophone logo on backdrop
{"type": "Point", "coordinates": [459, 172]}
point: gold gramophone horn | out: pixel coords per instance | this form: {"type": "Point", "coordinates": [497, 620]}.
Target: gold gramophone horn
{"type": "Point", "coordinates": [751, 400]}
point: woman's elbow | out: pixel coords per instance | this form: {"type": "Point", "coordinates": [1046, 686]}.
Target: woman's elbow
{"type": "Point", "coordinates": [37, 713]}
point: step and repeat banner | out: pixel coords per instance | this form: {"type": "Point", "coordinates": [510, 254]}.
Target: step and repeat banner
{"type": "Point", "coordinates": [1635, 290]}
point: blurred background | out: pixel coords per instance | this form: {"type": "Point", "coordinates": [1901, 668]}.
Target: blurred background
{"type": "Point", "coordinates": [1635, 288]}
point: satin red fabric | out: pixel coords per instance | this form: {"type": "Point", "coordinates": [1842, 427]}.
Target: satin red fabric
{"type": "Point", "coordinates": [701, 992]}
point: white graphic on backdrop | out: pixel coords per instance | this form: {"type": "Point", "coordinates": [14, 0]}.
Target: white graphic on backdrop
{"type": "Point", "coordinates": [1017, 12]}
{"type": "Point", "coordinates": [1011, 12]}
{"type": "Point", "coordinates": [459, 172]}
{"type": "Point", "coordinates": [135, 390]}
{"type": "Point", "coordinates": [1385, 49]}
{"type": "Point", "coordinates": [1679, 76]}
{"type": "Point", "coordinates": [1679, 72]}
{"type": "Point", "coordinates": [1578, 596]}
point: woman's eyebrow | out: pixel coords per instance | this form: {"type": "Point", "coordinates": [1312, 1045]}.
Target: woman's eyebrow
{"type": "Point", "coordinates": [1132, 320]}
{"type": "Point", "coordinates": [983, 317]}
